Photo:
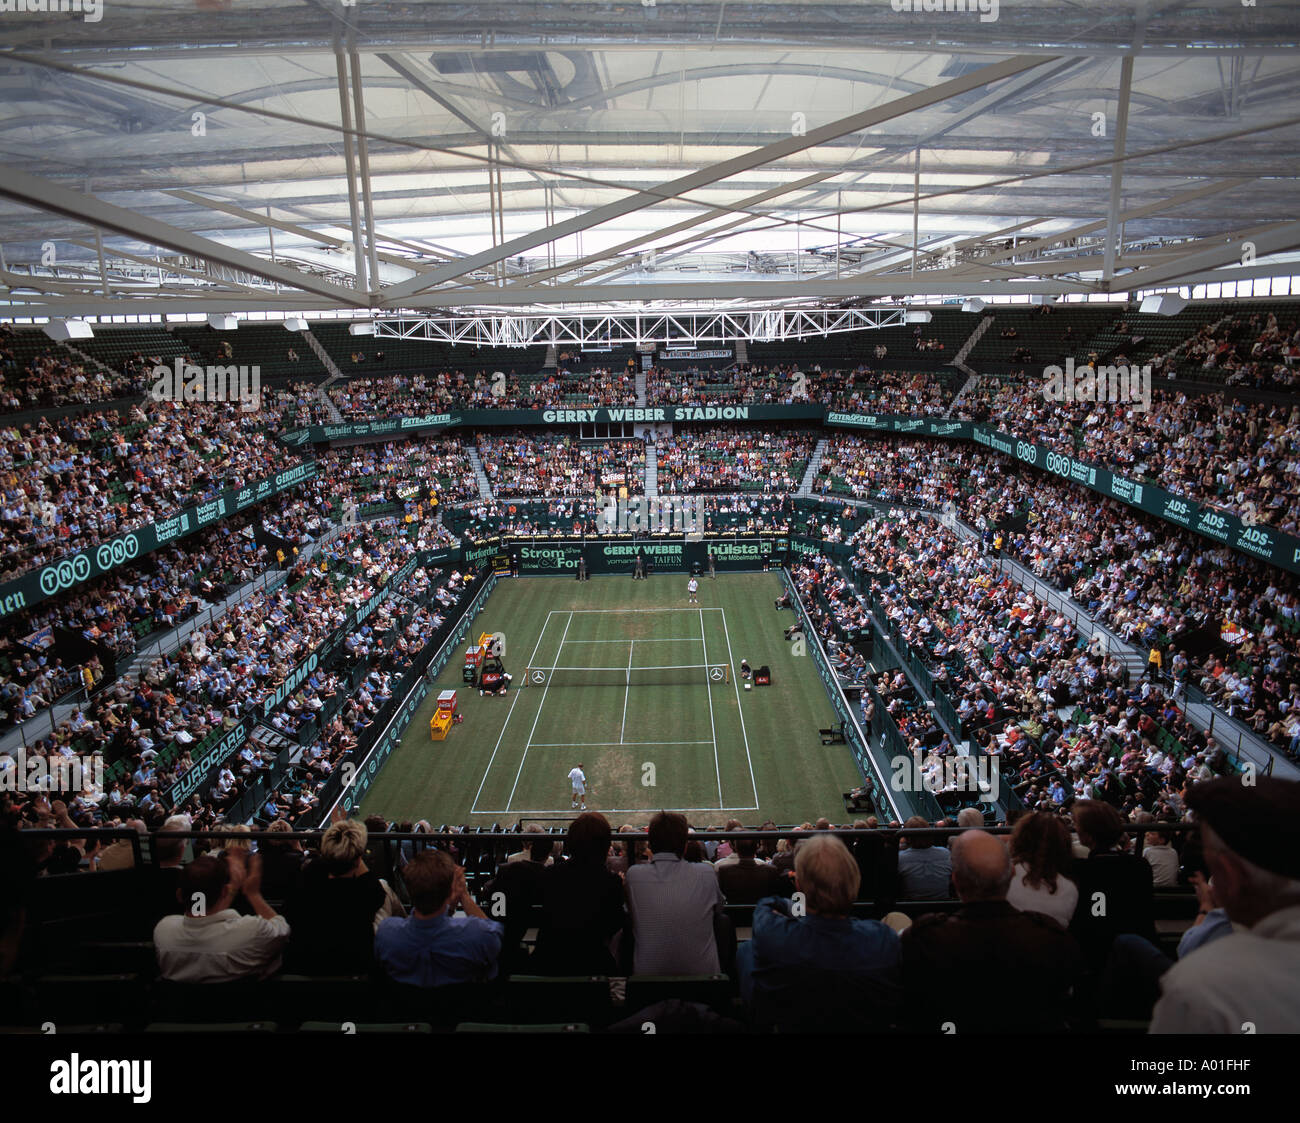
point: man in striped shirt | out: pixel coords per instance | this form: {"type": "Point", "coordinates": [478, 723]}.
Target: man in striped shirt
{"type": "Point", "coordinates": [674, 905]}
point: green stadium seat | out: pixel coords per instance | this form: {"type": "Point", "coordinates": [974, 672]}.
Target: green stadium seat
{"type": "Point", "coordinates": [439, 1006]}
{"type": "Point", "coordinates": [240, 1001]}
{"type": "Point", "coordinates": [313, 998]}
{"type": "Point", "coordinates": [84, 999]}
{"type": "Point", "coordinates": [714, 991]}
{"type": "Point", "coordinates": [491, 1027]}
{"type": "Point", "coordinates": [540, 998]}
{"type": "Point", "coordinates": [365, 1027]}
{"type": "Point", "coordinates": [211, 1027]}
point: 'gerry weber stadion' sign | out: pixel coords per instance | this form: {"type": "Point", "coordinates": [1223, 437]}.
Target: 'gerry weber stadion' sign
{"type": "Point", "coordinates": [1267, 543]}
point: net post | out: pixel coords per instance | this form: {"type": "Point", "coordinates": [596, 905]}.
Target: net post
{"type": "Point", "coordinates": [726, 672]}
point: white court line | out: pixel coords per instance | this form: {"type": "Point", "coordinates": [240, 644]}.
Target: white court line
{"type": "Point", "coordinates": [739, 708]}
{"type": "Point", "coordinates": [626, 691]}
{"type": "Point", "coordinates": [545, 624]}
{"type": "Point", "coordinates": [675, 639]}
{"type": "Point", "coordinates": [609, 810]}
{"type": "Point", "coordinates": [540, 704]}
{"type": "Point", "coordinates": [673, 667]}
{"type": "Point", "coordinates": [717, 769]}
{"type": "Point", "coordinates": [626, 612]}
{"type": "Point", "coordinates": [599, 744]}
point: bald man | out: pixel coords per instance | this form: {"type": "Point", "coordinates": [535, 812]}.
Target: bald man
{"type": "Point", "coordinates": [987, 968]}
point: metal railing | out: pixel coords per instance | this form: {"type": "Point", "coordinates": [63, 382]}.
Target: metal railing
{"type": "Point", "coordinates": [480, 850]}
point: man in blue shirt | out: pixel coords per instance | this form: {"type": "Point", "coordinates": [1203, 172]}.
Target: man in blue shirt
{"type": "Point", "coordinates": [923, 868]}
{"type": "Point", "coordinates": [431, 948]}
{"type": "Point", "coordinates": [822, 971]}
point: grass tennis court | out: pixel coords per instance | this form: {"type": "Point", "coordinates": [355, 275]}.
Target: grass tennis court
{"type": "Point", "coordinates": [645, 693]}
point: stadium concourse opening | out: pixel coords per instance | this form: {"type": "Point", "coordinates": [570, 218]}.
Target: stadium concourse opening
{"type": "Point", "coordinates": [752, 519]}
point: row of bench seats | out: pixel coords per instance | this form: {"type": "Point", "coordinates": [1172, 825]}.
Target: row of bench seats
{"type": "Point", "coordinates": [135, 1001]}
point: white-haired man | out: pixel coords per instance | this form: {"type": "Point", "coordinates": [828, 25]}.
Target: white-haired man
{"type": "Point", "coordinates": [824, 970]}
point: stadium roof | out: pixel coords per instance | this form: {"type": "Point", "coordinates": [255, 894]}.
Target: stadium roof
{"type": "Point", "coordinates": [225, 155]}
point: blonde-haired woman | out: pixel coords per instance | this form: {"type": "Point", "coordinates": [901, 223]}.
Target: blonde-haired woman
{"type": "Point", "coordinates": [337, 907]}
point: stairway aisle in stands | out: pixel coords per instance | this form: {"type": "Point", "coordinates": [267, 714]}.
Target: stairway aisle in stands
{"type": "Point", "coordinates": [318, 348]}
{"type": "Point", "coordinates": [966, 387]}
{"type": "Point", "coordinates": [1231, 734]}
{"type": "Point", "coordinates": [959, 359]}
{"type": "Point", "coordinates": [89, 360]}
{"type": "Point", "coordinates": [476, 462]}
{"type": "Point", "coordinates": [814, 466]}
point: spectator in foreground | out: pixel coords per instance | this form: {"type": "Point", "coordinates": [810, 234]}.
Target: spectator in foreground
{"type": "Point", "coordinates": [518, 880]}
{"type": "Point", "coordinates": [923, 868]}
{"type": "Point", "coordinates": [951, 961]}
{"type": "Point", "coordinates": [1040, 851]}
{"type": "Point", "coordinates": [1160, 855]}
{"type": "Point", "coordinates": [826, 971]}
{"type": "Point", "coordinates": [282, 862]}
{"type": "Point", "coordinates": [674, 905]}
{"type": "Point", "coordinates": [160, 887]}
{"type": "Point", "coordinates": [431, 948]}
{"type": "Point", "coordinates": [338, 906]}
{"type": "Point", "coordinates": [1252, 976]}
{"type": "Point", "coordinates": [582, 905]}
{"type": "Point", "coordinates": [212, 943]}
{"type": "Point", "coordinates": [1114, 885]}
{"type": "Point", "coordinates": [746, 880]}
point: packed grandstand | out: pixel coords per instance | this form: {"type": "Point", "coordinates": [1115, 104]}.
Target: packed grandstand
{"type": "Point", "coordinates": [1104, 661]}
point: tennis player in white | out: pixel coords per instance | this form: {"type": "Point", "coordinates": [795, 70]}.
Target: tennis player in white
{"type": "Point", "coordinates": [693, 588]}
{"type": "Point", "coordinates": [578, 781]}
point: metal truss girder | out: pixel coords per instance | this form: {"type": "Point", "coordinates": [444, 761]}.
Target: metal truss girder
{"type": "Point", "coordinates": [636, 329]}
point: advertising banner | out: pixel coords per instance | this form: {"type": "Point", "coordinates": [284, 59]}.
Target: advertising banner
{"type": "Point", "coordinates": [67, 573]}
{"type": "Point", "coordinates": [390, 428]}
{"type": "Point", "coordinates": [1274, 546]}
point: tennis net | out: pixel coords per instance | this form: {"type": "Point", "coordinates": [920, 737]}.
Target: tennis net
{"type": "Point", "coordinates": [628, 676]}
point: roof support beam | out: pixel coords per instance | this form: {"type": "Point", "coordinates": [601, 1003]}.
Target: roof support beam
{"type": "Point", "coordinates": [349, 161]}
{"type": "Point", "coordinates": [45, 195]}
{"type": "Point", "coordinates": [1212, 253]}
{"type": "Point", "coordinates": [705, 176]}
{"type": "Point", "coordinates": [678, 227]}
{"type": "Point", "coordinates": [1117, 168]}
{"type": "Point", "coordinates": [1168, 204]}
{"type": "Point", "coordinates": [363, 166]}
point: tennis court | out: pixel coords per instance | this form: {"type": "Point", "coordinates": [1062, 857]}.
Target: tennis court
{"type": "Point", "coordinates": [644, 691]}
{"type": "Point", "coordinates": [646, 700]}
